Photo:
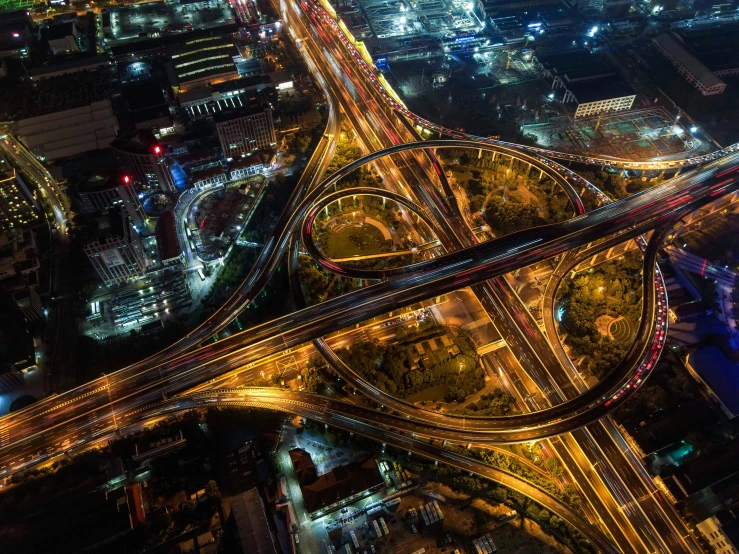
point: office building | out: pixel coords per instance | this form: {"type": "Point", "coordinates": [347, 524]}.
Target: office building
{"type": "Point", "coordinates": [587, 80]}
{"type": "Point", "coordinates": [721, 531]}
{"type": "Point", "coordinates": [67, 133]}
{"type": "Point", "coordinates": [98, 194]}
{"type": "Point", "coordinates": [17, 32]}
{"type": "Point", "coordinates": [116, 252]}
{"type": "Point", "coordinates": [18, 208]}
{"type": "Point", "coordinates": [170, 252]}
{"type": "Point", "coordinates": [143, 159]}
{"type": "Point", "coordinates": [243, 131]}
{"type": "Point", "coordinates": [687, 65]}
{"type": "Point", "coordinates": [63, 38]}
{"type": "Point", "coordinates": [204, 61]}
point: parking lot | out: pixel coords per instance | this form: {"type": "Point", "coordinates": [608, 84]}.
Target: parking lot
{"type": "Point", "coordinates": [128, 309]}
{"type": "Point", "coordinates": [166, 17]}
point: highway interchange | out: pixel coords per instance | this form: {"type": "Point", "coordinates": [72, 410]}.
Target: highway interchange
{"type": "Point", "coordinates": [121, 399]}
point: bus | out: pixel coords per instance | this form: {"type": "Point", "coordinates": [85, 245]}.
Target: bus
{"type": "Point", "coordinates": [354, 539]}
{"type": "Point", "coordinates": [384, 526]}
{"type": "Point", "coordinates": [377, 528]}
{"type": "Point", "coordinates": [201, 274]}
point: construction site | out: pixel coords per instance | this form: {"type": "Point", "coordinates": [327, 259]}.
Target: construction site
{"type": "Point", "coordinates": [635, 134]}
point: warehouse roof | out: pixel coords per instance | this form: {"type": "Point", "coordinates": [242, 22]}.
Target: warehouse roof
{"type": "Point", "coordinates": [676, 50]}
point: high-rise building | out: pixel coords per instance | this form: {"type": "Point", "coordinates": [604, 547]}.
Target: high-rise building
{"type": "Point", "coordinates": [244, 131]}
{"type": "Point", "coordinates": [100, 194]}
{"type": "Point", "coordinates": [170, 251]}
{"type": "Point", "coordinates": [17, 205]}
{"type": "Point", "coordinates": [116, 252]}
{"type": "Point", "coordinates": [143, 160]}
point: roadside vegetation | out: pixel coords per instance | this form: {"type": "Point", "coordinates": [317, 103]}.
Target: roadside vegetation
{"type": "Point", "coordinates": [506, 196]}
{"type": "Point", "coordinates": [495, 403]}
{"type": "Point", "coordinates": [590, 302]}
{"type": "Point", "coordinates": [411, 365]}
{"type": "Point", "coordinates": [478, 487]}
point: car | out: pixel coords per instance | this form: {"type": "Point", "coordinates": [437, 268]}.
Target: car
{"type": "Point", "coordinates": [372, 547]}
{"type": "Point", "coordinates": [413, 528]}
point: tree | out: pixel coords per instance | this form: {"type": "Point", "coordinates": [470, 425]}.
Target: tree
{"type": "Point", "coordinates": [211, 490]}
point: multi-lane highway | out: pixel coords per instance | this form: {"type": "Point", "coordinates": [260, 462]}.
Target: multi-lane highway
{"type": "Point", "coordinates": [87, 414]}
{"type": "Point", "coordinates": [92, 408]}
{"type": "Point", "coordinates": [325, 13]}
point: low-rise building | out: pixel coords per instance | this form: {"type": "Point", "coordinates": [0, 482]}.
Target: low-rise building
{"type": "Point", "coordinates": [208, 177]}
{"type": "Point", "coordinates": [250, 517]}
{"type": "Point", "coordinates": [248, 166]}
{"type": "Point", "coordinates": [690, 67]}
{"type": "Point", "coordinates": [324, 494]}
{"type": "Point", "coordinates": [68, 133]}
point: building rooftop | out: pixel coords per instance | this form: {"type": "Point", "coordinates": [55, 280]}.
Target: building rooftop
{"type": "Point", "coordinates": [247, 161]}
{"type": "Point", "coordinates": [61, 30]}
{"type": "Point", "coordinates": [228, 115]}
{"type": "Point", "coordinates": [80, 63]}
{"type": "Point", "coordinates": [599, 89]}
{"type": "Point", "coordinates": [719, 373]}
{"type": "Point", "coordinates": [706, 471]}
{"type": "Point", "coordinates": [248, 512]}
{"type": "Point", "coordinates": [339, 483]}
{"type": "Point", "coordinates": [69, 132]}
{"type": "Point", "coordinates": [689, 61]}
{"type": "Point", "coordinates": [137, 142]}
{"type": "Point", "coordinates": [166, 234]}
{"type": "Point", "coordinates": [204, 56]}
{"type": "Point", "coordinates": [576, 65]}
{"type": "Point", "coordinates": [717, 46]}
{"type": "Point", "coordinates": [171, 40]}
